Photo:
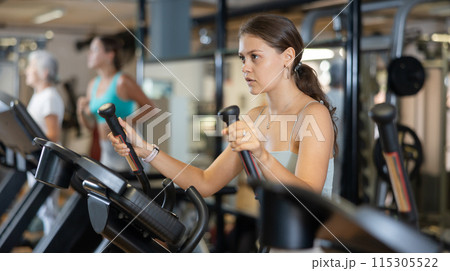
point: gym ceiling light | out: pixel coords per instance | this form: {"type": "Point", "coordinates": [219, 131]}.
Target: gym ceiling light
{"type": "Point", "coordinates": [49, 16]}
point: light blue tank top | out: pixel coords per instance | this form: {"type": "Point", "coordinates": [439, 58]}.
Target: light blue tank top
{"type": "Point", "coordinates": [289, 160]}
{"type": "Point", "coordinates": [123, 108]}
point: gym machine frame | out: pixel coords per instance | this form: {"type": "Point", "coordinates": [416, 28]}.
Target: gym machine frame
{"type": "Point", "coordinates": [121, 213]}
{"type": "Point", "coordinates": [18, 134]}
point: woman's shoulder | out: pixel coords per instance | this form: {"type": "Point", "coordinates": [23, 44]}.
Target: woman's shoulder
{"type": "Point", "coordinates": [57, 98]}
{"type": "Point", "coordinates": [50, 99]}
{"type": "Point", "coordinates": [317, 110]}
{"type": "Point", "coordinates": [125, 79]}
{"type": "Point", "coordinates": [126, 82]}
{"type": "Point", "coordinates": [313, 107]}
{"type": "Point", "coordinates": [51, 92]}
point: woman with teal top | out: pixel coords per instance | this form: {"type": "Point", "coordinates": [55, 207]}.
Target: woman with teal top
{"type": "Point", "coordinates": [110, 86]}
{"type": "Point", "coordinates": [292, 138]}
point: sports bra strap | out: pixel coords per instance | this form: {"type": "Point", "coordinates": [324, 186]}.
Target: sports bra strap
{"type": "Point", "coordinates": [293, 127]}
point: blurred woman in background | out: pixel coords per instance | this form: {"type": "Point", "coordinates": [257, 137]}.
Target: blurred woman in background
{"type": "Point", "coordinates": [46, 107]}
{"type": "Point", "coordinates": [110, 86]}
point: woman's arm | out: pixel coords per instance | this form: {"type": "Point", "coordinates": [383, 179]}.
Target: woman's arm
{"type": "Point", "coordinates": [53, 129]}
{"type": "Point", "coordinates": [316, 144]}
{"type": "Point", "coordinates": [207, 182]}
{"type": "Point", "coordinates": [127, 89]}
{"type": "Point", "coordinates": [313, 152]}
{"type": "Point", "coordinates": [84, 115]}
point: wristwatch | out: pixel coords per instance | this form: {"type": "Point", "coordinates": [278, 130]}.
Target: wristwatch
{"type": "Point", "coordinates": [152, 154]}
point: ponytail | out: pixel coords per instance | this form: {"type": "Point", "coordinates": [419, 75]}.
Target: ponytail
{"type": "Point", "coordinates": [112, 44]}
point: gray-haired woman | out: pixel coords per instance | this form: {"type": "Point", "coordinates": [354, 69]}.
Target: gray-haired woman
{"type": "Point", "coordinates": [46, 107]}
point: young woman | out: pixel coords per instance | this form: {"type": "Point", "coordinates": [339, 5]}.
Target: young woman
{"type": "Point", "coordinates": [110, 86]}
{"type": "Point", "coordinates": [46, 107]}
{"type": "Point", "coordinates": [292, 138]}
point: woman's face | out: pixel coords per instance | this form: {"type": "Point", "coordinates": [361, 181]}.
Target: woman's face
{"type": "Point", "coordinates": [262, 65]}
{"type": "Point", "coordinates": [97, 56]}
{"type": "Point", "coordinates": [32, 76]}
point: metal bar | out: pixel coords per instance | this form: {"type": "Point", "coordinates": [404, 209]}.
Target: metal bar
{"type": "Point", "coordinates": [374, 6]}
{"type": "Point", "coordinates": [311, 17]}
{"type": "Point", "coordinates": [11, 182]}
{"type": "Point", "coordinates": [308, 23]}
{"type": "Point", "coordinates": [376, 43]}
{"type": "Point", "coordinates": [264, 7]}
{"type": "Point", "coordinates": [221, 18]}
{"type": "Point", "coordinates": [141, 35]}
{"type": "Point", "coordinates": [398, 34]}
{"type": "Point", "coordinates": [443, 180]}
{"type": "Point", "coordinates": [349, 182]}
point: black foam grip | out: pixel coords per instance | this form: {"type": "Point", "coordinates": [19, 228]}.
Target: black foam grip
{"type": "Point", "coordinates": [249, 164]}
{"type": "Point", "coordinates": [230, 115]}
{"type": "Point", "coordinates": [108, 112]}
{"type": "Point", "coordinates": [384, 115]}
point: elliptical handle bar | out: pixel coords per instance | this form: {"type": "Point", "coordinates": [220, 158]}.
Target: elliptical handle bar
{"type": "Point", "coordinates": [384, 115]}
{"type": "Point", "coordinates": [108, 112]}
{"type": "Point", "coordinates": [230, 115]}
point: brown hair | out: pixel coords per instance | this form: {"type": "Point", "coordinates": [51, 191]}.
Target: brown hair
{"type": "Point", "coordinates": [111, 44]}
{"type": "Point", "coordinates": [280, 33]}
